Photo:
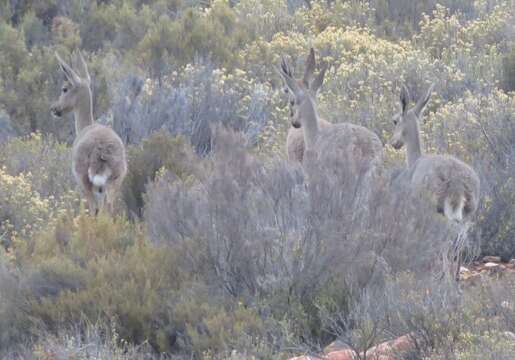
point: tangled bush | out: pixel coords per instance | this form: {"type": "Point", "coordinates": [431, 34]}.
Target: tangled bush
{"type": "Point", "coordinates": [47, 161]}
{"type": "Point", "coordinates": [258, 230]}
{"type": "Point", "coordinates": [72, 267]}
{"type": "Point", "coordinates": [193, 101]}
{"type": "Point", "coordinates": [159, 152]}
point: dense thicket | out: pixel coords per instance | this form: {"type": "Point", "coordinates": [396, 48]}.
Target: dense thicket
{"type": "Point", "coordinates": [222, 250]}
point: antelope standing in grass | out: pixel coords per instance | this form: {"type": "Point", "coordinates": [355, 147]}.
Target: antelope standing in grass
{"type": "Point", "coordinates": [295, 138]}
{"type": "Point", "coordinates": [453, 185]}
{"type": "Point", "coordinates": [359, 149]}
{"type": "Point", "coordinates": [98, 155]}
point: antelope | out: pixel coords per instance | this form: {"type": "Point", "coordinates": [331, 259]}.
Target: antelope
{"type": "Point", "coordinates": [452, 184]}
{"type": "Point", "coordinates": [99, 163]}
{"type": "Point", "coordinates": [359, 148]}
{"type": "Point", "coordinates": [295, 137]}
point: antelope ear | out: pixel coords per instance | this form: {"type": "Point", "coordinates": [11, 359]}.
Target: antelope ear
{"type": "Point", "coordinates": [404, 99]}
{"type": "Point", "coordinates": [80, 66]}
{"type": "Point", "coordinates": [319, 80]}
{"type": "Point", "coordinates": [423, 101]}
{"type": "Point", "coordinates": [285, 72]}
{"type": "Point", "coordinates": [310, 67]}
{"type": "Point", "coordinates": [72, 77]}
{"type": "Point", "coordinates": [285, 67]}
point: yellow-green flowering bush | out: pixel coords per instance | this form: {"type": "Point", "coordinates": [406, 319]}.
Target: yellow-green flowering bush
{"type": "Point", "coordinates": [24, 210]}
{"type": "Point", "coordinates": [48, 162]}
{"type": "Point", "coordinates": [322, 15]}
{"type": "Point", "coordinates": [263, 18]}
{"type": "Point", "coordinates": [75, 264]}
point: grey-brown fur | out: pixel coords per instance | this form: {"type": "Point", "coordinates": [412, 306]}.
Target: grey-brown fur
{"type": "Point", "coordinates": [358, 148]}
{"type": "Point", "coordinates": [452, 184]}
{"type": "Point", "coordinates": [295, 141]}
{"type": "Point", "coordinates": [99, 163]}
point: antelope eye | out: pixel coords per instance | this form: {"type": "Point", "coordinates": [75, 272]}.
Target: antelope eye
{"type": "Point", "coordinates": [395, 121]}
{"type": "Point", "coordinates": [292, 102]}
{"type": "Point", "coordinates": [65, 89]}
{"type": "Point", "coordinates": [286, 91]}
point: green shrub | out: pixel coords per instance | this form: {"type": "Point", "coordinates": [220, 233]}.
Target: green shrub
{"type": "Point", "coordinates": [75, 265]}
{"type": "Point", "coordinates": [47, 161]}
{"type": "Point", "coordinates": [99, 269]}
{"type": "Point", "coordinates": [159, 151]}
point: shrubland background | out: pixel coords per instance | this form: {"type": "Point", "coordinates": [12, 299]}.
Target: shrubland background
{"type": "Point", "coordinates": [220, 249]}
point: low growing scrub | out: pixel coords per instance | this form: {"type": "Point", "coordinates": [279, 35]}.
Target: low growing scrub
{"type": "Point", "coordinates": [263, 231]}
{"type": "Point", "coordinates": [159, 152]}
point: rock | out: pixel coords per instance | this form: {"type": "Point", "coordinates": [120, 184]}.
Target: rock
{"type": "Point", "coordinates": [346, 354]}
{"type": "Point", "coordinates": [494, 268]}
{"type": "Point", "coordinates": [493, 259]}
{"type": "Point", "coordinates": [491, 265]}
{"type": "Point", "coordinates": [335, 346]}
{"type": "Point", "coordinates": [463, 269]}
{"type": "Point", "coordinates": [390, 349]}
{"type": "Point", "coordinates": [387, 350]}
{"type": "Point", "coordinates": [381, 350]}
{"type": "Point", "coordinates": [403, 343]}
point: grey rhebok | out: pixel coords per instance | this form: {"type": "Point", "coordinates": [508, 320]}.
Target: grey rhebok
{"type": "Point", "coordinates": [358, 149]}
{"type": "Point", "coordinates": [295, 137]}
{"type": "Point", "coordinates": [99, 162]}
{"type": "Point", "coordinates": [453, 185]}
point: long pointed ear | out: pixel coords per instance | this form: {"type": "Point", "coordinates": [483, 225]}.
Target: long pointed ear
{"type": "Point", "coordinates": [404, 99]}
{"type": "Point", "coordinates": [310, 67]}
{"type": "Point", "coordinates": [285, 72]}
{"type": "Point", "coordinates": [285, 67]}
{"type": "Point", "coordinates": [80, 66]}
{"type": "Point", "coordinates": [319, 79]}
{"type": "Point", "coordinates": [423, 101]}
{"type": "Point", "coordinates": [72, 77]}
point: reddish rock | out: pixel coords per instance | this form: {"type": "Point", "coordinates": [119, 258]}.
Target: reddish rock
{"type": "Point", "coordinates": [403, 343]}
{"type": "Point", "coordinates": [336, 345]}
{"type": "Point", "coordinates": [346, 354]}
{"type": "Point", "coordinates": [387, 350]}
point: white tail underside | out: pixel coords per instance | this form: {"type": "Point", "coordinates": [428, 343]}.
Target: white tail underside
{"type": "Point", "coordinates": [454, 214]}
{"type": "Point", "coordinates": [99, 180]}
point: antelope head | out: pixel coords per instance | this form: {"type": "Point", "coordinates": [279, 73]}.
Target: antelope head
{"type": "Point", "coordinates": [406, 121]}
{"type": "Point", "coordinates": [75, 87]}
{"type": "Point", "coordinates": [307, 84]}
